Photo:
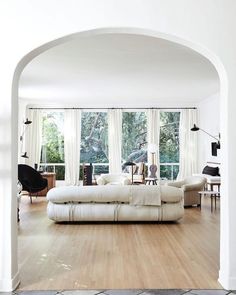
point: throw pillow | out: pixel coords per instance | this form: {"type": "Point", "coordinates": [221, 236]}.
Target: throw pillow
{"type": "Point", "coordinates": [213, 171]}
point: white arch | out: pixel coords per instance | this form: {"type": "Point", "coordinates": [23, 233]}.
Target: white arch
{"type": "Point", "coordinates": [214, 59]}
{"type": "Point", "coordinates": [123, 30]}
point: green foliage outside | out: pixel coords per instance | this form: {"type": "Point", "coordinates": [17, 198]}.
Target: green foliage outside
{"type": "Point", "coordinates": [94, 140]}
{"type": "Point", "coordinates": [134, 140]}
{"type": "Point", "coordinates": [53, 142]}
{"type": "Point", "coordinates": [134, 137]}
{"type": "Point", "coordinates": [169, 171]}
{"type": "Point", "coordinates": [169, 144]}
{"type": "Point", "coordinates": [169, 137]}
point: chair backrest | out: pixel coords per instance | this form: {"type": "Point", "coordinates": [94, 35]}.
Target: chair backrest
{"type": "Point", "coordinates": [28, 176]}
{"type": "Point", "coordinates": [87, 174]}
{"type": "Point", "coordinates": [195, 180]}
{"type": "Point", "coordinates": [138, 169]}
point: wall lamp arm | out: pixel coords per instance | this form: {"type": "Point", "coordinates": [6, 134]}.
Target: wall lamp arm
{"type": "Point", "coordinates": [196, 128]}
{"type": "Point", "coordinates": [218, 139]}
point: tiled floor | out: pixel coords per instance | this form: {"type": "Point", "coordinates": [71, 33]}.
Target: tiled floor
{"type": "Point", "coordinates": [124, 292]}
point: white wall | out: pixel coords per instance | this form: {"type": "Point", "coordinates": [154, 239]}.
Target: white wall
{"type": "Point", "coordinates": [207, 26]}
{"type": "Point", "coordinates": [209, 120]}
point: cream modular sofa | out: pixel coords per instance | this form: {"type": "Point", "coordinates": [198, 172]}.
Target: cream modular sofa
{"type": "Point", "coordinates": [115, 203]}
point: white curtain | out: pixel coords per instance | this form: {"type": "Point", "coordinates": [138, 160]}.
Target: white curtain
{"type": "Point", "coordinates": [153, 136]}
{"type": "Point", "coordinates": [187, 144]}
{"type": "Point", "coordinates": [72, 138]}
{"type": "Point", "coordinates": [114, 140]}
{"type": "Point", "coordinates": [33, 137]}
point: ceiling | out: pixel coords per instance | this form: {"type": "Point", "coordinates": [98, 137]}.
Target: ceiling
{"type": "Point", "coordinates": [113, 70]}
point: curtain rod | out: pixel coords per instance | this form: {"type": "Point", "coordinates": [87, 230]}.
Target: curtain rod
{"type": "Point", "coordinates": [134, 108]}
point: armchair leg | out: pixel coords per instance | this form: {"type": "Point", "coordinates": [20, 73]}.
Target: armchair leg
{"type": "Point", "coordinates": [18, 215]}
{"type": "Point", "coordinates": [30, 195]}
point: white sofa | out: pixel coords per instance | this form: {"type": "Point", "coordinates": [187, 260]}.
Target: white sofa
{"type": "Point", "coordinates": [113, 179]}
{"type": "Point", "coordinates": [115, 203]}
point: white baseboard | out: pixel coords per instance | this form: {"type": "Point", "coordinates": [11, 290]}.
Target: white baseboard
{"type": "Point", "coordinates": [10, 285]}
{"type": "Point", "coordinates": [228, 283]}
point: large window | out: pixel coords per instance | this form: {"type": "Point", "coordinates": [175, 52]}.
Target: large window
{"type": "Point", "coordinates": [169, 144]}
{"type": "Point", "coordinates": [134, 141]}
{"type": "Point", "coordinates": [134, 136]}
{"type": "Point", "coordinates": [94, 141]}
{"type": "Point", "coordinates": [52, 152]}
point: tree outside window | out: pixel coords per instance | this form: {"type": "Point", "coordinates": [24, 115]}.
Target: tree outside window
{"type": "Point", "coordinates": [169, 144]}
{"type": "Point", "coordinates": [94, 140]}
{"type": "Point", "coordinates": [53, 143]}
{"type": "Point", "coordinates": [134, 137]}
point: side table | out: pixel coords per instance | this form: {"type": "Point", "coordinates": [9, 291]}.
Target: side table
{"type": "Point", "coordinates": [212, 194]}
{"type": "Point", "coordinates": [51, 177]}
{"type": "Point", "coordinates": [212, 184]}
{"type": "Point", "coordinates": [149, 180]}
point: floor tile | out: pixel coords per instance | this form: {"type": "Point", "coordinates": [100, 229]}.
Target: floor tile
{"type": "Point", "coordinates": [38, 292]}
{"type": "Point", "coordinates": [209, 292]}
{"type": "Point", "coordinates": [81, 292]}
{"type": "Point", "coordinates": [122, 292]}
{"type": "Point", "coordinates": [164, 292]}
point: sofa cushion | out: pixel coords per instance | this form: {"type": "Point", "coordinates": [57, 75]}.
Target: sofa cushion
{"type": "Point", "coordinates": [114, 193]}
{"type": "Point", "coordinates": [114, 212]}
{"type": "Point", "coordinates": [170, 194]}
{"type": "Point", "coordinates": [86, 194]}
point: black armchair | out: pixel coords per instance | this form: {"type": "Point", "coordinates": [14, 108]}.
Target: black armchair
{"type": "Point", "coordinates": [31, 180]}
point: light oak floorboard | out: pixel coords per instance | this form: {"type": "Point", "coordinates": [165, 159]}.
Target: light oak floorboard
{"type": "Point", "coordinates": [118, 256]}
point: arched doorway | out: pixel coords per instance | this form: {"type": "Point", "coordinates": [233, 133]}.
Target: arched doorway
{"type": "Point", "coordinates": [36, 52]}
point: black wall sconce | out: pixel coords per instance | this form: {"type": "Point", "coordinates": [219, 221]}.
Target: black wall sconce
{"type": "Point", "coordinates": [215, 145]}
{"type": "Point", "coordinates": [26, 123]}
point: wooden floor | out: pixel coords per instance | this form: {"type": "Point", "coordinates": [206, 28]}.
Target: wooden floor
{"type": "Point", "coordinates": [107, 256]}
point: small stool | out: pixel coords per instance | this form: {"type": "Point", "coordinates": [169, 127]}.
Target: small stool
{"type": "Point", "coordinates": [148, 180]}
{"type": "Point", "coordinates": [212, 194]}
